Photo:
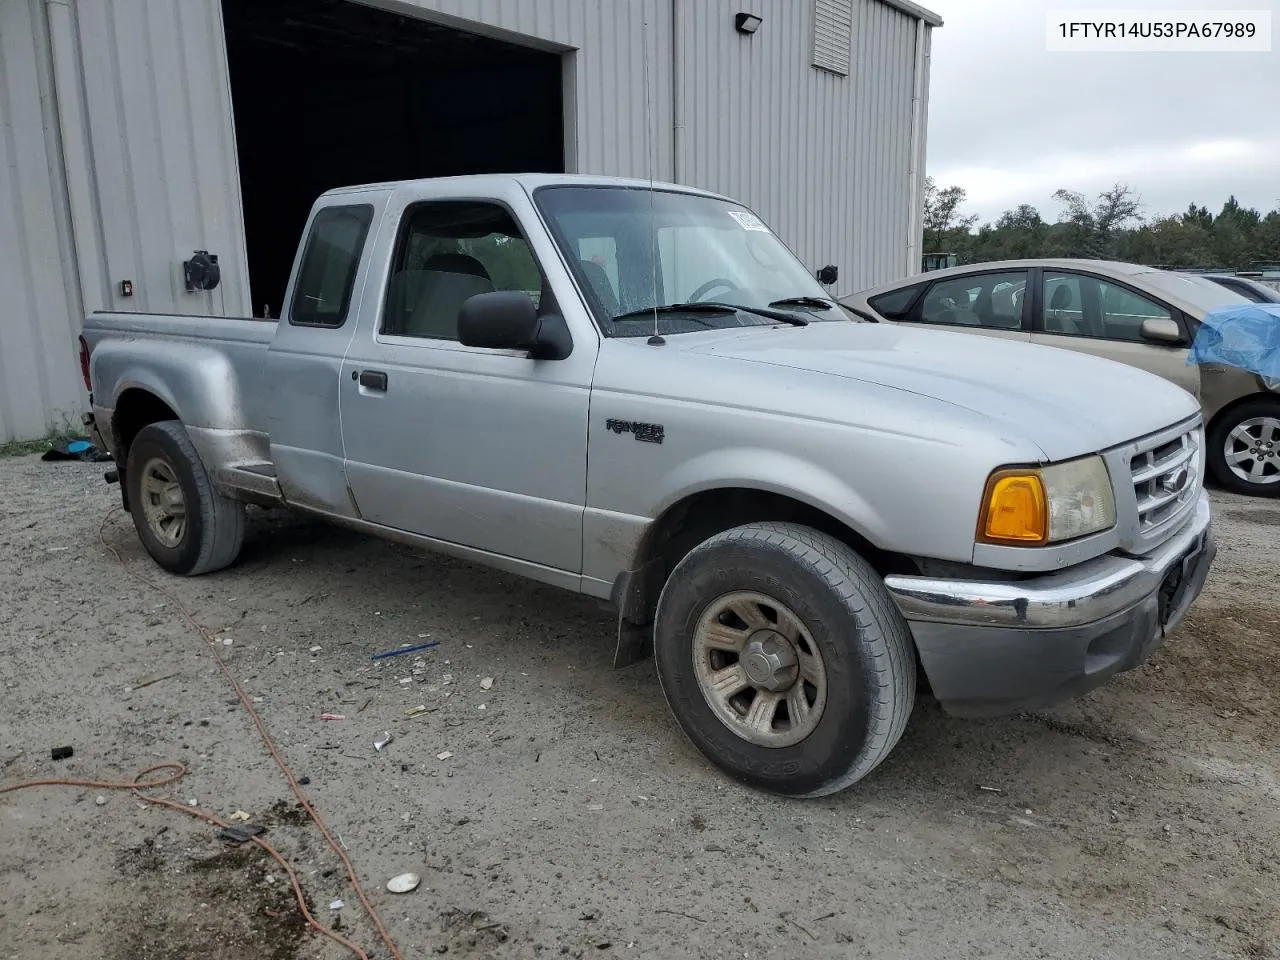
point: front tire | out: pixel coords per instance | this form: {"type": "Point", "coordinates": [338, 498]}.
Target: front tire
{"type": "Point", "coordinates": [783, 659]}
{"type": "Point", "coordinates": [186, 525]}
{"type": "Point", "coordinates": [1244, 448]}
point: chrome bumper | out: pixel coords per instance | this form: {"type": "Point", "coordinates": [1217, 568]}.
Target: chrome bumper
{"type": "Point", "coordinates": [1081, 595]}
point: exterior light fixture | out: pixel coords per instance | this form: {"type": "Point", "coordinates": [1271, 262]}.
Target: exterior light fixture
{"type": "Point", "coordinates": [747, 23]}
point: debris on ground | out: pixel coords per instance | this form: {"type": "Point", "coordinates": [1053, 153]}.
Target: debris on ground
{"type": "Point", "coordinates": [486, 683]}
{"type": "Point", "coordinates": [444, 756]}
{"type": "Point", "coordinates": [404, 883]}
{"type": "Point", "coordinates": [148, 681]}
{"type": "Point", "coordinates": [383, 741]}
{"type": "Point", "coordinates": [239, 835]}
{"type": "Point", "coordinates": [76, 449]}
{"type": "Point", "coordinates": [336, 904]}
{"type": "Point", "coordinates": [61, 753]}
{"type": "Point", "coordinates": [403, 650]}
{"type": "Point", "coordinates": [100, 800]}
{"type": "Point", "coordinates": [333, 716]}
{"type": "Point", "coordinates": [416, 711]}
{"type": "Point", "coordinates": [239, 815]}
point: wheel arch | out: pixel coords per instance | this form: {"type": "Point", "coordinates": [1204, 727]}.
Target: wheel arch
{"type": "Point", "coordinates": [1228, 409]}
{"type": "Point", "coordinates": [1223, 417]}
{"type": "Point", "coordinates": [136, 407]}
{"type": "Point", "coordinates": [696, 517]}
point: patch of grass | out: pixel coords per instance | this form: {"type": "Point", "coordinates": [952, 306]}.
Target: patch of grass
{"type": "Point", "coordinates": [24, 448]}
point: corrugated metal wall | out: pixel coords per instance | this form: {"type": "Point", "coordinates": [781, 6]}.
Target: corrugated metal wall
{"type": "Point", "coordinates": [159, 131]}
{"type": "Point", "coordinates": [39, 303]}
{"type": "Point", "coordinates": [823, 158]}
{"type": "Point", "coordinates": [133, 96]}
{"type": "Point", "coordinates": [134, 93]}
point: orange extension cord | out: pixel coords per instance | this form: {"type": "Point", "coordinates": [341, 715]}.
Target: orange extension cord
{"type": "Point", "coordinates": [139, 784]}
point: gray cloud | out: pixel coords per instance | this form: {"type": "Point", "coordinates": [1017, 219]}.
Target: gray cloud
{"type": "Point", "coordinates": [1012, 123]}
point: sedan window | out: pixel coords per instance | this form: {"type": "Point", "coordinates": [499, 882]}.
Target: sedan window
{"type": "Point", "coordinates": [1082, 306]}
{"type": "Point", "coordinates": [895, 303]}
{"type": "Point", "coordinates": [992, 300]}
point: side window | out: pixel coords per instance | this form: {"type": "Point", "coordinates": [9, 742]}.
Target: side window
{"type": "Point", "coordinates": [990, 300]}
{"type": "Point", "coordinates": [1082, 306]}
{"type": "Point", "coordinates": [322, 294]}
{"type": "Point", "coordinates": [895, 303]}
{"type": "Point", "coordinates": [1123, 312]}
{"type": "Point", "coordinates": [447, 252]}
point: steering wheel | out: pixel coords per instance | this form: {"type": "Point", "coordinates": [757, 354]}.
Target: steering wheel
{"type": "Point", "coordinates": [710, 285]}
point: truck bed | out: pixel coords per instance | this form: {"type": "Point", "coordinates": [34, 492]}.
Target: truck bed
{"type": "Point", "coordinates": [163, 352]}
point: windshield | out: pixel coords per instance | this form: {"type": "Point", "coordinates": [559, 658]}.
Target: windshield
{"type": "Point", "coordinates": [634, 249]}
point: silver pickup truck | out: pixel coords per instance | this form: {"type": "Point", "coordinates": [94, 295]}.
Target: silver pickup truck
{"type": "Point", "coordinates": [636, 392]}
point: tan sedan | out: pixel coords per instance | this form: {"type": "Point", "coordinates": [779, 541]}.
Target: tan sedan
{"type": "Point", "coordinates": [1122, 311]}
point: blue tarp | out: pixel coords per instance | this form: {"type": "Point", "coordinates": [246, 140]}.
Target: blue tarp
{"type": "Point", "coordinates": [1241, 335]}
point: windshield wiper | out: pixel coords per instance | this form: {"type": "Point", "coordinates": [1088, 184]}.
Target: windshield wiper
{"type": "Point", "coordinates": [804, 302]}
{"type": "Point", "coordinates": [715, 306]}
{"type": "Point", "coordinates": [699, 307]}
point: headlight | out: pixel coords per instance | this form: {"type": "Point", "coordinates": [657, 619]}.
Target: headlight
{"type": "Point", "coordinates": [1033, 507]}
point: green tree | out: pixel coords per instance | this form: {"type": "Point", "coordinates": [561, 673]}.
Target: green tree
{"type": "Point", "coordinates": [942, 217]}
{"type": "Point", "coordinates": [1168, 242]}
{"type": "Point", "coordinates": [1235, 232]}
{"type": "Point", "coordinates": [1092, 230]}
{"type": "Point", "coordinates": [1200, 216]}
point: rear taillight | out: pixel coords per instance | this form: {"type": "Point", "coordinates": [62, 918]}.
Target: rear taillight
{"type": "Point", "coordinates": [84, 363]}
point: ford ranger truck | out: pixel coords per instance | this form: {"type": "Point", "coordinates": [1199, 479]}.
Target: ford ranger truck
{"type": "Point", "coordinates": [636, 392]}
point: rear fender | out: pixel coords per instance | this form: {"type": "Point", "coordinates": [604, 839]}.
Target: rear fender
{"type": "Point", "coordinates": [197, 382]}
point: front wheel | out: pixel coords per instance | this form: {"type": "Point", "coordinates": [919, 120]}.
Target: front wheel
{"type": "Point", "coordinates": [784, 659]}
{"type": "Point", "coordinates": [1244, 448]}
{"type": "Point", "coordinates": [185, 524]}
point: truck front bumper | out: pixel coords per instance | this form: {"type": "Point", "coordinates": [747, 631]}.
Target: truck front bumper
{"type": "Point", "coordinates": [993, 648]}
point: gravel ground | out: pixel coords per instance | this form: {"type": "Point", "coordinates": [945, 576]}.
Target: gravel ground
{"type": "Point", "coordinates": [572, 818]}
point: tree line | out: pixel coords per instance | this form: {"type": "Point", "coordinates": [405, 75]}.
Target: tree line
{"type": "Point", "coordinates": [1110, 227]}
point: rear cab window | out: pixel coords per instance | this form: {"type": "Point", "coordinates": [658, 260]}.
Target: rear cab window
{"type": "Point", "coordinates": [330, 261]}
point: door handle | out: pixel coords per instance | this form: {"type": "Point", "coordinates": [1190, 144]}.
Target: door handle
{"type": "Point", "coordinates": [373, 379]}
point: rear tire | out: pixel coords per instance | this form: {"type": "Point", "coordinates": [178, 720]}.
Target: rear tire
{"type": "Point", "coordinates": [186, 525]}
{"type": "Point", "coordinates": [782, 612]}
{"type": "Point", "coordinates": [1243, 452]}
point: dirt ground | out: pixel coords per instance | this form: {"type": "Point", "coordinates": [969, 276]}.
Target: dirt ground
{"type": "Point", "coordinates": [572, 818]}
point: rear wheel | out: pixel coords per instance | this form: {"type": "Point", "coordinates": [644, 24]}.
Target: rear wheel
{"type": "Point", "coordinates": [185, 524]}
{"type": "Point", "coordinates": [784, 659]}
{"type": "Point", "coordinates": [1244, 448]}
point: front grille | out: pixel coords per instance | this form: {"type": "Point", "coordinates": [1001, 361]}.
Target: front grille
{"type": "Point", "coordinates": [1167, 481]}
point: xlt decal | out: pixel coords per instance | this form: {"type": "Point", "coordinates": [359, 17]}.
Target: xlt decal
{"type": "Point", "coordinates": [644, 432]}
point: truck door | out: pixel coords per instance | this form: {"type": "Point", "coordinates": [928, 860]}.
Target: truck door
{"type": "Point", "coordinates": [478, 447]}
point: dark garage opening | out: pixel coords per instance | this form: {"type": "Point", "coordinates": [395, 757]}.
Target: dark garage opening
{"type": "Point", "coordinates": [330, 93]}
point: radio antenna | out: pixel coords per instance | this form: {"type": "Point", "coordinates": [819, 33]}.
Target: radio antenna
{"type": "Point", "coordinates": [649, 144]}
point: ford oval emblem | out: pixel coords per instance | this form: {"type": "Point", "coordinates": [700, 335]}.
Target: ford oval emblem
{"type": "Point", "coordinates": [1177, 481]}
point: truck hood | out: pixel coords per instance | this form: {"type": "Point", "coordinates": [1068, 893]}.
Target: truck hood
{"type": "Point", "coordinates": [1066, 403]}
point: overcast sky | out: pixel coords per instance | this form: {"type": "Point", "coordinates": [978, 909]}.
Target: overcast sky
{"type": "Point", "coordinates": [1012, 123]}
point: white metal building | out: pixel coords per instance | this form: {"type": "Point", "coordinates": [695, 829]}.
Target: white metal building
{"type": "Point", "coordinates": [135, 132]}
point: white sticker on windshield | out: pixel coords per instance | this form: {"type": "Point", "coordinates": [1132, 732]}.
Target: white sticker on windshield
{"type": "Point", "coordinates": [749, 220]}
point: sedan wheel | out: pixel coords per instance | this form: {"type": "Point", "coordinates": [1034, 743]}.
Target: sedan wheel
{"type": "Point", "coordinates": [1244, 448]}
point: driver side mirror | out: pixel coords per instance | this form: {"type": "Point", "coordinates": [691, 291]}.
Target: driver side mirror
{"type": "Point", "coordinates": [508, 320]}
{"type": "Point", "coordinates": [1161, 330]}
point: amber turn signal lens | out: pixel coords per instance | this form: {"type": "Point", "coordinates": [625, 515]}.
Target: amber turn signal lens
{"type": "Point", "coordinates": [1014, 509]}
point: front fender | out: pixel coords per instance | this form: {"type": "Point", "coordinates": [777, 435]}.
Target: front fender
{"type": "Point", "coordinates": [778, 472]}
